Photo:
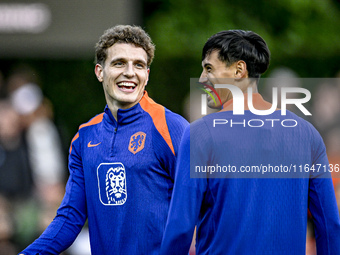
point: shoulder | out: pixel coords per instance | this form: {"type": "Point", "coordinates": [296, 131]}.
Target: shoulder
{"type": "Point", "coordinates": [175, 119]}
{"type": "Point", "coordinates": [159, 112]}
{"type": "Point", "coordinates": [308, 132]}
{"type": "Point", "coordinates": [163, 119]}
{"type": "Point", "coordinates": [204, 124]}
{"type": "Point", "coordinates": [303, 124]}
{"type": "Point", "coordinates": [93, 121]}
{"type": "Point", "coordinates": [168, 124]}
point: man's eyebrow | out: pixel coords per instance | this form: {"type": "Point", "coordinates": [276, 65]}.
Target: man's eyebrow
{"type": "Point", "coordinates": [140, 61]}
{"type": "Point", "coordinates": [117, 59]}
{"type": "Point", "coordinates": [125, 60]}
{"type": "Point", "coordinates": [206, 64]}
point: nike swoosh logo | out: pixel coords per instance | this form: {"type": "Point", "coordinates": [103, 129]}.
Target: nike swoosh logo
{"type": "Point", "coordinates": [92, 145]}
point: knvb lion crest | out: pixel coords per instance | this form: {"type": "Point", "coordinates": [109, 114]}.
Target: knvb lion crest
{"type": "Point", "coordinates": [112, 183]}
{"type": "Point", "coordinates": [137, 142]}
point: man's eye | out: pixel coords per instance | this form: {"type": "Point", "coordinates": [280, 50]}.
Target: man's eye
{"type": "Point", "coordinates": [118, 64]}
{"type": "Point", "coordinates": [140, 66]}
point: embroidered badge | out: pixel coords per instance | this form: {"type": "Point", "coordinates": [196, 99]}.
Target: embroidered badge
{"type": "Point", "coordinates": [112, 183]}
{"type": "Point", "coordinates": [137, 142]}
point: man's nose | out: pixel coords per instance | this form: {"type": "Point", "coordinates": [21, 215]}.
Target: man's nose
{"type": "Point", "coordinates": [129, 70]}
{"type": "Point", "coordinates": [203, 78]}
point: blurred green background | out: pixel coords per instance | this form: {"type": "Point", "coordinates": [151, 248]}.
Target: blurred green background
{"type": "Point", "coordinates": [303, 35]}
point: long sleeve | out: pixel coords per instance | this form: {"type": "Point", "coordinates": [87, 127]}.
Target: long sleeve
{"type": "Point", "coordinates": [185, 204]}
{"type": "Point", "coordinates": [323, 205]}
{"type": "Point", "coordinates": [176, 125]}
{"type": "Point", "coordinates": [71, 215]}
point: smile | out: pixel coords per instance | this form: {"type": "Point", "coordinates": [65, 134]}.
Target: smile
{"type": "Point", "coordinates": [126, 86]}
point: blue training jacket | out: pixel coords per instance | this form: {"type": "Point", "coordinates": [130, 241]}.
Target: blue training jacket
{"type": "Point", "coordinates": [121, 180]}
{"type": "Point", "coordinates": [238, 210]}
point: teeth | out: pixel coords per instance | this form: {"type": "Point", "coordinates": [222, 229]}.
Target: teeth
{"type": "Point", "coordinates": [127, 84]}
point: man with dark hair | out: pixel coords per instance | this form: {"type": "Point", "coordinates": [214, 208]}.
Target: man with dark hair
{"type": "Point", "coordinates": [238, 211]}
{"type": "Point", "coordinates": [234, 45]}
{"type": "Point", "coordinates": [122, 161]}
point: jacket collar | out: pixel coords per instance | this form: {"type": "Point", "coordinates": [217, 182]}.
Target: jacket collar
{"type": "Point", "coordinates": [125, 116]}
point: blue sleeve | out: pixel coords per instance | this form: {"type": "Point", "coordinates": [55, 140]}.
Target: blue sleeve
{"type": "Point", "coordinates": [176, 125]}
{"type": "Point", "coordinates": [185, 203]}
{"type": "Point", "coordinates": [71, 215]}
{"type": "Point", "coordinates": [322, 204]}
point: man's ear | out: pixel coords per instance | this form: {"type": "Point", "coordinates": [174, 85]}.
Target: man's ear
{"type": "Point", "coordinates": [241, 69]}
{"type": "Point", "coordinates": [98, 70]}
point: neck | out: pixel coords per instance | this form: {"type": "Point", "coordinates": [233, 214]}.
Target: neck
{"type": "Point", "coordinates": [114, 106]}
{"type": "Point", "coordinates": [254, 88]}
{"type": "Point", "coordinates": [257, 102]}
{"type": "Point", "coordinates": [243, 85]}
{"type": "Point", "coordinates": [246, 83]}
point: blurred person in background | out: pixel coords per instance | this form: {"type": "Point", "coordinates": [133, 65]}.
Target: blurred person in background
{"type": "Point", "coordinates": [15, 173]}
{"type": "Point", "coordinates": [44, 152]}
{"type": "Point", "coordinates": [7, 246]}
{"type": "Point", "coordinates": [42, 137]}
{"type": "Point", "coordinates": [282, 77]}
{"type": "Point", "coordinates": [122, 161]}
{"type": "Point", "coordinates": [16, 184]}
{"type": "Point", "coordinates": [326, 116]}
{"type": "Point", "coordinates": [2, 86]}
{"type": "Point", "coordinates": [332, 142]}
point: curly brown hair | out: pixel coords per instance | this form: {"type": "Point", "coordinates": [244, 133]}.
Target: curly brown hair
{"type": "Point", "coordinates": [124, 34]}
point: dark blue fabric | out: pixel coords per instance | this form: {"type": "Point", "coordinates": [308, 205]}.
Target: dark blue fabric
{"type": "Point", "coordinates": [239, 215]}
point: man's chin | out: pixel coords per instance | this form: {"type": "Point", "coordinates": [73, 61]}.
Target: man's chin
{"type": "Point", "coordinates": [212, 105]}
{"type": "Point", "coordinates": [126, 101]}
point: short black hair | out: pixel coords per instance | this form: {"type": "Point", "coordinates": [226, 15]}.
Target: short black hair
{"type": "Point", "coordinates": [235, 45]}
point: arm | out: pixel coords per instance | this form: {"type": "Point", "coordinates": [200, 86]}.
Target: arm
{"type": "Point", "coordinates": [323, 206]}
{"type": "Point", "coordinates": [176, 125]}
{"type": "Point", "coordinates": [71, 215]}
{"type": "Point", "coordinates": [185, 204]}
